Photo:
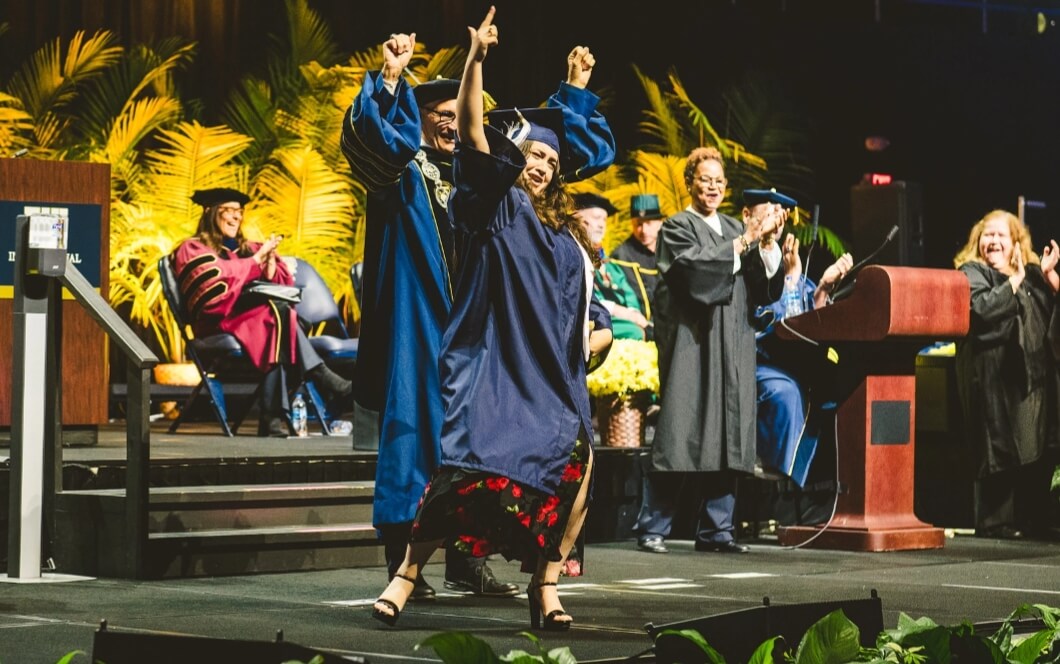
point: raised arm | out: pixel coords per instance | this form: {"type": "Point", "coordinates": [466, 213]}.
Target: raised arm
{"type": "Point", "coordinates": [469, 100]}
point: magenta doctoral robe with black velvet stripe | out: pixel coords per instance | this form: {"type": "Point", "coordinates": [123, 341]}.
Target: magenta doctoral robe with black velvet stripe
{"type": "Point", "coordinates": [211, 285]}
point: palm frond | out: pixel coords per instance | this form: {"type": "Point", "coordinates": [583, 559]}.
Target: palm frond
{"type": "Point", "coordinates": [660, 122]}
{"type": "Point", "coordinates": [191, 157]}
{"type": "Point", "coordinates": [130, 128]}
{"type": "Point", "coordinates": [309, 36]}
{"type": "Point", "coordinates": [443, 63]}
{"type": "Point", "coordinates": [250, 111]}
{"type": "Point", "coordinates": [47, 82]}
{"type": "Point", "coordinates": [705, 130]}
{"type": "Point", "coordinates": [16, 125]}
{"type": "Point", "coordinates": [664, 176]}
{"type": "Point", "coordinates": [367, 60]}
{"type": "Point", "coordinates": [302, 198]}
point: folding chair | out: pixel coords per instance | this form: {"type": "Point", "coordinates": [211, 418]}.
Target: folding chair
{"type": "Point", "coordinates": [319, 312]}
{"type": "Point", "coordinates": [211, 356]}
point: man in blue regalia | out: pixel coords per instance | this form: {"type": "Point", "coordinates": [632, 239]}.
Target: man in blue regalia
{"type": "Point", "coordinates": [789, 376]}
{"type": "Point", "coordinates": [399, 141]}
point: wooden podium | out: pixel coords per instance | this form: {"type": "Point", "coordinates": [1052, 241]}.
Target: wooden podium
{"type": "Point", "coordinates": [83, 190]}
{"type": "Point", "coordinates": [890, 315]}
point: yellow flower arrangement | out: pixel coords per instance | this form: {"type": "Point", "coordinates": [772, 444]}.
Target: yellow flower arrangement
{"type": "Point", "coordinates": [631, 367]}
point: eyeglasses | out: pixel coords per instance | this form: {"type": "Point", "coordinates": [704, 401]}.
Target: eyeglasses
{"type": "Point", "coordinates": [444, 117]}
{"type": "Point", "coordinates": [230, 210]}
{"type": "Point", "coordinates": [707, 181]}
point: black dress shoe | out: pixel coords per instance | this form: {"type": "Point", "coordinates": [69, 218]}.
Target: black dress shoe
{"type": "Point", "coordinates": [652, 544]}
{"type": "Point", "coordinates": [422, 591]}
{"type": "Point", "coordinates": [480, 581]}
{"type": "Point", "coordinates": [330, 382]}
{"type": "Point", "coordinates": [731, 546]}
{"type": "Point", "coordinates": [1000, 532]}
{"type": "Point", "coordinates": [275, 427]}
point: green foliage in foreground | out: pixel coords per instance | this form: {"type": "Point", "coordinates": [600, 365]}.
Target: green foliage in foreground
{"type": "Point", "coordinates": [833, 639]}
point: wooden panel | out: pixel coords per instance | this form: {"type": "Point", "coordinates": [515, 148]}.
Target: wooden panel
{"type": "Point", "coordinates": [85, 366]}
{"type": "Point", "coordinates": [892, 303]}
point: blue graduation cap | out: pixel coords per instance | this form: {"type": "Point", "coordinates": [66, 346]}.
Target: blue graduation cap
{"type": "Point", "coordinates": [546, 126]}
{"type": "Point", "coordinates": [753, 197]}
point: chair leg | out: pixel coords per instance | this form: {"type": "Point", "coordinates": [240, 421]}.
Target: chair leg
{"type": "Point", "coordinates": [316, 402]}
{"type": "Point", "coordinates": [217, 400]}
{"type": "Point", "coordinates": [249, 407]}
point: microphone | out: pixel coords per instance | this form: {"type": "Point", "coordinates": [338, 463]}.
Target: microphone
{"type": "Point", "coordinates": [19, 153]}
{"type": "Point", "coordinates": [846, 284]}
{"type": "Point", "coordinates": [813, 238]}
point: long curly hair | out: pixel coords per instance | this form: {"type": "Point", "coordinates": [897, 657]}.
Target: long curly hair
{"type": "Point", "coordinates": [1021, 239]}
{"type": "Point", "coordinates": [555, 208]}
{"type": "Point", "coordinates": [209, 232]}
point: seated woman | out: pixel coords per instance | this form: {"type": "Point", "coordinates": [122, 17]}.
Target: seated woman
{"type": "Point", "coordinates": [1006, 375]}
{"type": "Point", "coordinates": [516, 439]}
{"type": "Point", "coordinates": [213, 268]}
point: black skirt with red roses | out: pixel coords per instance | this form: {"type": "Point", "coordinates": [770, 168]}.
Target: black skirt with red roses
{"type": "Point", "coordinates": [486, 514]}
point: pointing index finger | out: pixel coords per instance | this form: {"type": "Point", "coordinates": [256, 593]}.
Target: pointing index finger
{"type": "Point", "coordinates": [488, 21]}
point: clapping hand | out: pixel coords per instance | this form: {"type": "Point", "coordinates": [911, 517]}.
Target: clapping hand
{"type": "Point", "coordinates": [484, 37]}
{"type": "Point", "coordinates": [790, 258]}
{"type": "Point", "coordinates": [1050, 257]}
{"type": "Point", "coordinates": [580, 63]}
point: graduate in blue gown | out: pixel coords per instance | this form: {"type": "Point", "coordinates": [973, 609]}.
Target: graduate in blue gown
{"type": "Point", "coordinates": [516, 441]}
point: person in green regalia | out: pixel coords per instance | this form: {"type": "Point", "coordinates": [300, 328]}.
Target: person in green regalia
{"type": "Point", "coordinates": [610, 284]}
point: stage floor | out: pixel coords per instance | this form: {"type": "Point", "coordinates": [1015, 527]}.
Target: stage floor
{"type": "Point", "coordinates": [969, 579]}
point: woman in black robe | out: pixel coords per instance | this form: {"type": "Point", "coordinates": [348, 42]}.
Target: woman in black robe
{"type": "Point", "coordinates": [1006, 374]}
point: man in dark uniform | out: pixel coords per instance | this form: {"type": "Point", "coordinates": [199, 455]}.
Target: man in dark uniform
{"type": "Point", "coordinates": [636, 256]}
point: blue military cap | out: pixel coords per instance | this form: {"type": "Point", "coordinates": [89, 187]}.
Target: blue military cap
{"type": "Point", "coordinates": [752, 197]}
{"type": "Point", "coordinates": [645, 207]}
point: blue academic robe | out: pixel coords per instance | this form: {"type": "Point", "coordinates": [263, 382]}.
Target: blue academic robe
{"type": "Point", "coordinates": [513, 364]}
{"type": "Point", "coordinates": [787, 432]}
{"type": "Point", "coordinates": [406, 294]}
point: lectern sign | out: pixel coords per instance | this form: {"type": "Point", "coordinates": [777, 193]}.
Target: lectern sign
{"type": "Point", "coordinates": [80, 228]}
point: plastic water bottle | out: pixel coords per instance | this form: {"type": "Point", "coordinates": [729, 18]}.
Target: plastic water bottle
{"type": "Point", "coordinates": [298, 416]}
{"type": "Point", "coordinates": [792, 297]}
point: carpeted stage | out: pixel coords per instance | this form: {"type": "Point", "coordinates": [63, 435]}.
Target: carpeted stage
{"type": "Point", "coordinates": [969, 579]}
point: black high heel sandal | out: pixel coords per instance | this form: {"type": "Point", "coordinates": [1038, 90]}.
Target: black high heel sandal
{"type": "Point", "coordinates": [551, 624]}
{"type": "Point", "coordinates": [390, 619]}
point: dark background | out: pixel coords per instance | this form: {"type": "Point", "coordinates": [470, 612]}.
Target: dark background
{"type": "Point", "coordinates": [970, 114]}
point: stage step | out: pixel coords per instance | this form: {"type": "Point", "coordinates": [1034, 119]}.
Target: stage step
{"type": "Point", "coordinates": [221, 530]}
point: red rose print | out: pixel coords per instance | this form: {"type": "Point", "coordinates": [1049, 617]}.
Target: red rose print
{"type": "Point", "coordinates": [541, 541]}
{"type": "Point", "coordinates": [552, 519]}
{"type": "Point", "coordinates": [497, 483]}
{"type": "Point", "coordinates": [465, 490]}
{"type": "Point", "coordinates": [517, 491]}
{"type": "Point", "coordinates": [524, 519]}
{"type": "Point", "coordinates": [572, 473]}
{"type": "Point", "coordinates": [480, 548]}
